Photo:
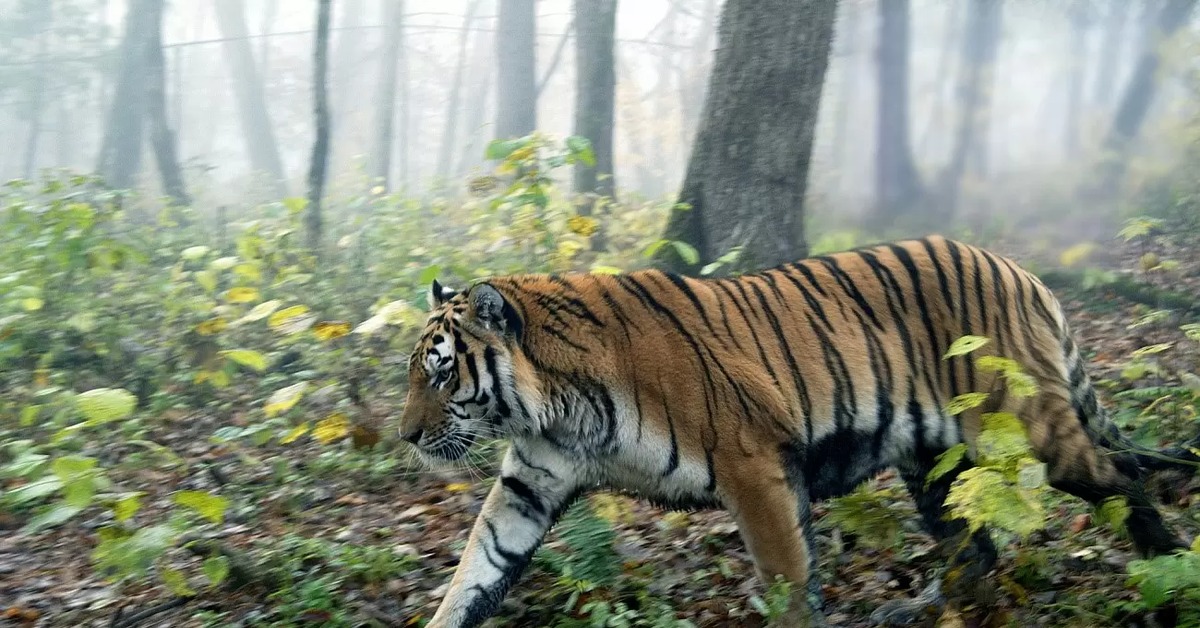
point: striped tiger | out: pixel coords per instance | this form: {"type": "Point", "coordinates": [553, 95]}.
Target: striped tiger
{"type": "Point", "coordinates": [758, 394]}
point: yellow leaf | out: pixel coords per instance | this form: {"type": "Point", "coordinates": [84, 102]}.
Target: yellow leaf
{"type": "Point", "coordinates": [294, 433]}
{"type": "Point", "coordinates": [248, 271]}
{"type": "Point", "coordinates": [261, 311]}
{"type": "Point", "coordinates": [284, 399]}
{"type": "Point", "coordinates": [241, 294]}
{"type": "Point", "coordinates": [32, 304]}
{"type": "Point", "coordinates": [291, 320]}
{"type": "Point", "coordinates": [211, 326]}
{"type": "Point", "coordinates": [331, 428]}
{"type": "Point", "coordinates": [458, 487]}
{"type": "Point", "coordinates": [328, 330]}
{"type": "Point", "coordinates": [606, 270]}
{"type": "Point", "coordinates": [247, 357]}
{"type": "Point", "coordinates": [377, 190]}
{"type": "Point", "coordinates": [1076, 254]}
{"type": "Point", "coordinates": [582, 225]}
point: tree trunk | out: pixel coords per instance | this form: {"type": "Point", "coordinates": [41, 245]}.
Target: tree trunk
{"type": "Point", "coordinates": [38, 92]}
{"type": "Point", "coordinates": [696, 73]}
{"type": "Point", "coordinates": [482, 77]}
{"type": "Point", "coordinates": [1139, 94]}
{"type": "Point", "coordinates": [161, 136]}
{"type": "Point", "coordinates": [247, 89]}
{"type": "Point", "coordinates": [595, 93]}
{"type": "Point", "coordinates": [982, 38]}
{"type": "Point", "coordinates": [1076, 73]}
{"type": "Point", "coordinates": [270, 10]}
{"type": "Point", "coordinates": [385, 96]}
{"type": "Point", "coordinates": [516, 76]}
{"type": "Point", "coordinates": [320, 152]}
{"type": "Point", "coordinates": [897, 185]}
{"type": "Point", "coordinates": [748, 171]}
{"type": "Point", "coordinates": [450, 130]}
{"type": "Point", "coordinates": [121, 150]}
{"type": "Point", "coordinates": [1113, 38]}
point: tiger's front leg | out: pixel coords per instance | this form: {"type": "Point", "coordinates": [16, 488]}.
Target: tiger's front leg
{"type": "Point", "coordinates": [521, 507]}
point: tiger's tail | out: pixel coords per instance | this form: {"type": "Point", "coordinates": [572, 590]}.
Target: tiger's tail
{"type": "Point", "coordinates": [1100, 426]}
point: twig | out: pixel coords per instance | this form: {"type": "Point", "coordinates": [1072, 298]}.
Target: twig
{"type": "Point", "coordinates": [145, 614]}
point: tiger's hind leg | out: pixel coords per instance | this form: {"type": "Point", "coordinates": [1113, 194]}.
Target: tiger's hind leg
{"type": "Point", "coordinates": [1082, 468]}
{"type": "Point", "coordinates": [971, 558]}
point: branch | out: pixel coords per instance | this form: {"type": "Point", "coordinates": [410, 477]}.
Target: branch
{"type": "Point", "coordinates": [562, 44]}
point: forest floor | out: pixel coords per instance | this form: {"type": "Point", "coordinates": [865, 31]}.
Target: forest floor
{"type": "Point", "coordinates": [352, 538]}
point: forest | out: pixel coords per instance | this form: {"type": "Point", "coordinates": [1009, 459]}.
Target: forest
{"type": "Point", "coordinates": [220, 221]}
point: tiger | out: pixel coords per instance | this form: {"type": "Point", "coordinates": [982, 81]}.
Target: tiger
{"type": "Point", "coordinates": [758, 393]}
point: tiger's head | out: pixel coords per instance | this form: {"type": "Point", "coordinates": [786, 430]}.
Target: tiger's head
{"type": "Point", "coordinates": [463, 373]}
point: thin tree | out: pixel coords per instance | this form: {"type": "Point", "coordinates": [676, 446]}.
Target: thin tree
{"type": "Point", "coordinates": [1077, 56]}
{"type": "Point", "coordinates": [478, 101]}
{"type": "Point", "coordinates": [450, 130]}
{"type": "Point", "coordinates": [44, 19]}
{"type": "Point", "coordinates": [247, 89]}
{"type": "Point", "coordinates": [897, 184]}
{"type": "Point", "coordinates": [979, 45]}
{"type": "Point", "coordinates": [516, 75]}
{"type": "Point", "coordinates": [121, 150]}
{"type": "Point", "coordinates": [385, 97]}
{"type": "Point", "coordinates": [748, 170]}
{"type": "Point", "coordinates": [320, 152]}
{"type": "Point", "coordinates": [1139, 94]}
{"type": "Point", "coordinates": [162, 138]}
{"type": "Point", "coordinates": [1112, 41]}
{"type": "Point", "coordinates": [595, 93]}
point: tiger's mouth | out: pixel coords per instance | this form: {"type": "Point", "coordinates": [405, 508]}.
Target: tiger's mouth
{"type": "Point", "coordinates": [450, 447]}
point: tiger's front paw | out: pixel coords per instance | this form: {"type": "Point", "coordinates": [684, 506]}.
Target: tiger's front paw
{"type": "Point", "coordinates": [902, 612]}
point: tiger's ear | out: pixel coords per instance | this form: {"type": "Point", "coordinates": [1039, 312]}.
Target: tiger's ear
{"type": "Point", "coordinates": [439, 294]}
{"type": "Point", "coordinates": [490, 309]}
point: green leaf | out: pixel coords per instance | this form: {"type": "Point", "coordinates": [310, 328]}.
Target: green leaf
{"type": "Point", "coordinates": [127, 506]}
{"type": "Point", "coordinates": [79, 492]}
{"type": "Point", "coordinates": [966, 401]}
{"type": "Point", "coordinates": [581, 149]}
{"type": "Point", "coordinates": [429, 274]}
{"type": "Point", "coordinates": [982, 496]}
{"type": "Point", "coordinates": [687, 252]}
{"type": "Point", "coordinates": [194, 253]}
{"type": "Point", "coordinates": [216, 569]}
{"type": "Point", "coordinates": [653, 248]}
{"type": "Point", "coordinates": [946, 462]}
{"type": "Point", "coordinates": [1032, 475]}
{"type": "Point", "coordinates": [56, 515]}
{"type": "Point", "coordinates": [209, 506]}
{"type": "Point", "coordinates": [68, 468]}
{"type": "Point", "coordinates": [175, 581]}
{"type": "Point", "coordinates": [1003, 437]}
{"type": "Point", "coordinates": [500, 149]}
{"type": "Point", "coordinates": [1114, 511]}
{"type": "Point", "coordinates": [102, 405]}
{"type": "Point", "coordinates": [247, 357]}
{"type": "Point", "coordinates": [600, 269]}
{"type": "Point", "coordinates": [36, 489]}
{"type": "Point", "coordinates": [965, 345]}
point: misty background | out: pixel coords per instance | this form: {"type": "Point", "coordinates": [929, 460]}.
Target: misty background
{"type": "Point", "coordinates": [1059, 72]}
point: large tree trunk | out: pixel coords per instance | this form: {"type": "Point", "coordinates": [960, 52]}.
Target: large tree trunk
{"type": "Point", "coordinates": [516, 76]}
{"type": "Point", "coordinates": [748, 171]}
{"type": "Point", "coordinates": [897, 184]}
{"type": "Point", "coordinates": [247, 89]}
{"type": "Point", "coordinates": [695, 74]}
{"type": "Point", "coordinates": [161, 137]}
{"type": "Point", "coordinates": [595, 92]}
{"type": "Point", "coordinates": [982, 38]}
{"type": "Point", "coordinates": [38, 89]}
{"type": "Point", "coordinates": [320, 152]}
{"type": "Point", "coordinates": [121, 151]}
{"type": "Point", "coordinates": [385, 96]}
{"type": "Point", "coordinates": [450, 130]}
{"type": "Point", "coordinates": [1139, 94]}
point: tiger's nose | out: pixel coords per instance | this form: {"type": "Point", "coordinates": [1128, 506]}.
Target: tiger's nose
{"type": "Point", "coordinates": [413, 436]}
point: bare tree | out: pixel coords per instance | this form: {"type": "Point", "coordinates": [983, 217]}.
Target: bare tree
{"type": "Point", "coordinates": [247, 88]}
{"type": "Point", "coordinates": [162, 138]}
{"type": "Point", "coordinates": [38, 90]}
{"type": "Point", "coordinates": [897, 184]}
{"type": "Point", "coordinates": [385, 98]}
{"type": "Point", "coordinates": [482, 77]}
{"type": "Point", "coordinates": [1077, 55]}
{"type": "Point", "coordinates": [121, 150]}
{"type": "Point", "coordinates": [1116, 15]}
{"type": "Point", "coordinates": [1139, 94]}
{"type": "Point", "coordinates": [980, 41]}
{"type": "Point", "coordinates": [320, 152]}
{"type": "Point", "coordinates": [595, 93]}
{"type": "Point", "coordinates": [516, 76]}
{"type": "Point", "coordinates": [748, 171]}
{"type": "Point", "coordinates": [450, 130]}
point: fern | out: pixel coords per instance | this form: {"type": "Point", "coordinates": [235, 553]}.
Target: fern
{"type": "Point", "coordinates": [589, 554]}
